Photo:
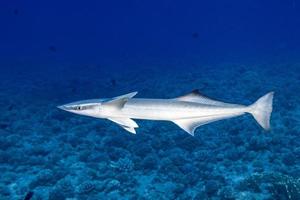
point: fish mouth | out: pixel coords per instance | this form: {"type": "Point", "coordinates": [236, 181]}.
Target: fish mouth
{"type": "Point", "coordinates": [62, 107]}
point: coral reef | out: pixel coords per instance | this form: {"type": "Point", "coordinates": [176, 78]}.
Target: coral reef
{"type": "Point", "coordinates": [57, 155]}
{"type": "Point", "coordinates": [279, 186]}
{"type": "Point", "coordinates": [123, 164]}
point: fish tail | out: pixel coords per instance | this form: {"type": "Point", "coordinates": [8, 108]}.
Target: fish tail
{"type": "Point", "coordinates": [262, 109]}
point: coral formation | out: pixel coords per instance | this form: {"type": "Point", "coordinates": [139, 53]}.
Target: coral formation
{"type": "Point", "coordinates": [61, 156]}
{"type": "Point", "coordinates": [123, 164]}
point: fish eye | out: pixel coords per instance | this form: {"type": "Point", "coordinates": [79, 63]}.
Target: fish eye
{"type": "Point", "coordinates": [77, 108]}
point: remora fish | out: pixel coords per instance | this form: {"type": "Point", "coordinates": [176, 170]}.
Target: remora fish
{"type": "Point", "coordinates": [188, 112]}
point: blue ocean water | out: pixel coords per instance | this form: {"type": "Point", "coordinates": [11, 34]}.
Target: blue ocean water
{"type": "Point", "coordinates": [57, 52]}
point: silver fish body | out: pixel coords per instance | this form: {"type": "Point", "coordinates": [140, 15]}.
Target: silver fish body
{"type": "Point", "coordinates": [188, 112]}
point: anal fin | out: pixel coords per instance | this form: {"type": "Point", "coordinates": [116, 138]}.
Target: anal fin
{"type": "Point", "coordinates": [190, 124]}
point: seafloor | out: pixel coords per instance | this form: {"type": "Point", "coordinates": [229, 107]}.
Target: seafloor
{"type": "Point", "coordinates": [46, 153]}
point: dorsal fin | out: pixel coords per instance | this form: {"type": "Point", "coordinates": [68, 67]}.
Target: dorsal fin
{"type": "Point", "coordinates": [196, 97]}
{"type": "Point", "coordinates": [119, 101]}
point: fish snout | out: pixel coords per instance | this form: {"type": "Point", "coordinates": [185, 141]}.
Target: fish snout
{"type": "Point", "coordinates": [63, 107]}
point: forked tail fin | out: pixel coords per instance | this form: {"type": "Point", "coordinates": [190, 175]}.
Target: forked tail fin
{"type": "Point", "coordinates": [262, 109]}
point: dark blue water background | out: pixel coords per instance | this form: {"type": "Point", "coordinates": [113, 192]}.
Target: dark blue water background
{"type": "Point", "coordinates": [55, 52]}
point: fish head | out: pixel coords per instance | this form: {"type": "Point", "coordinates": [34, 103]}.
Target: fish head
{"type": "Point", "coordinates": [86, 107]}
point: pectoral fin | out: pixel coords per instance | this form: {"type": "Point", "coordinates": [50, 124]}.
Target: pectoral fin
{"type": "Point", "coordinates": [119, 102]}
{"type": "Point", "coordinates": [126, 123]}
